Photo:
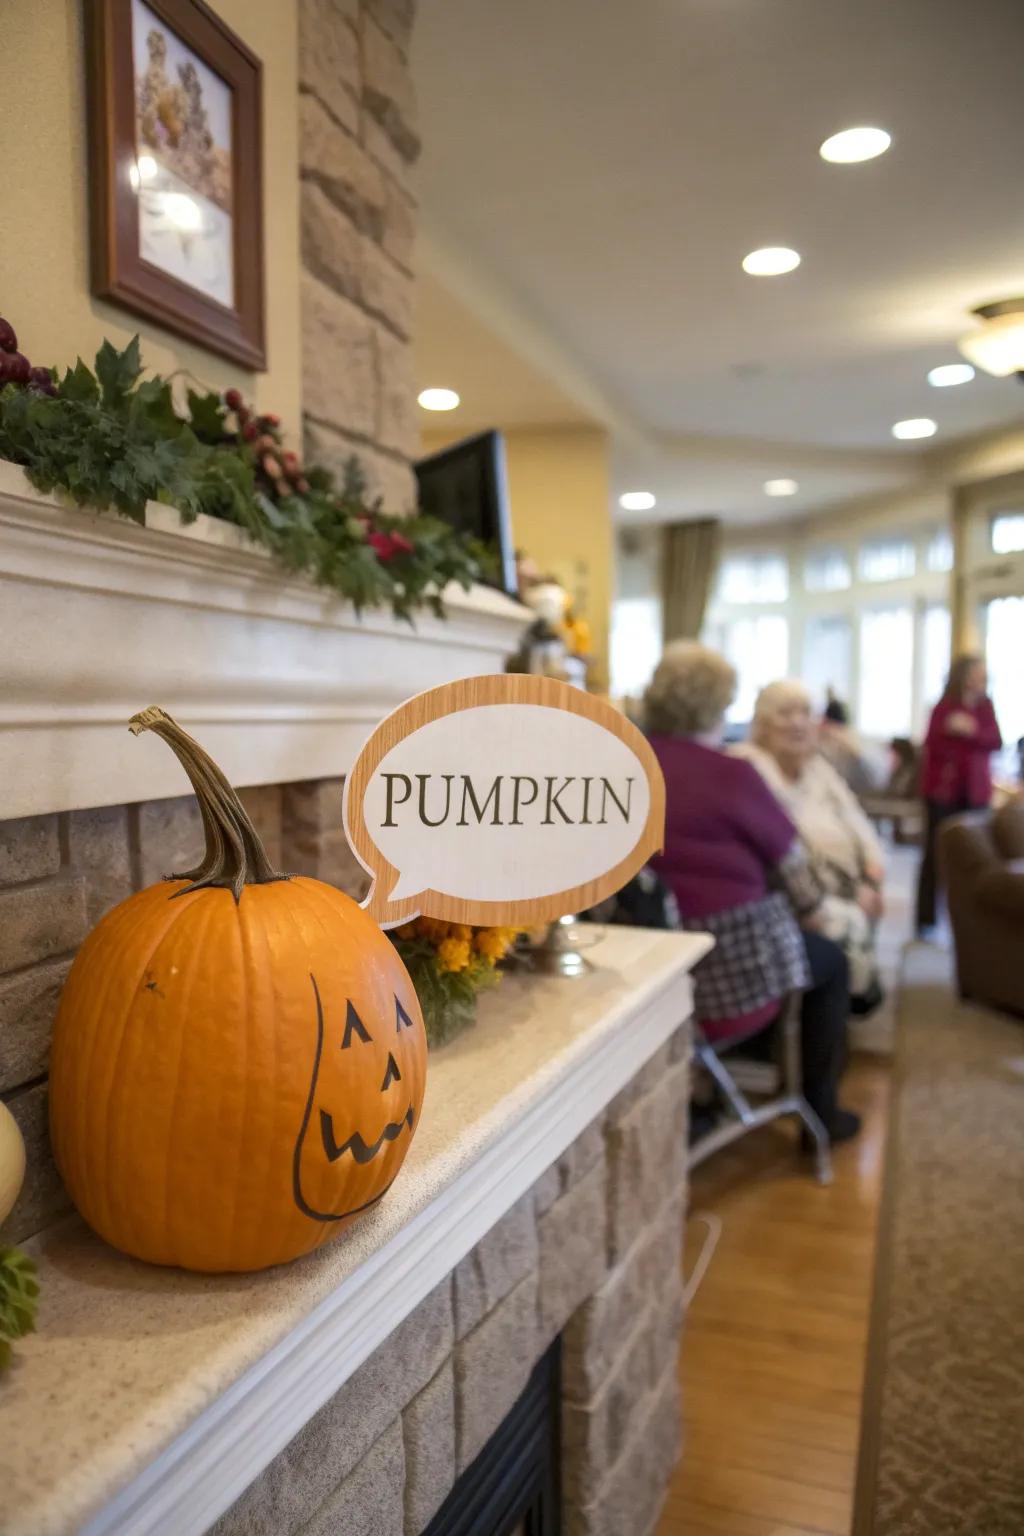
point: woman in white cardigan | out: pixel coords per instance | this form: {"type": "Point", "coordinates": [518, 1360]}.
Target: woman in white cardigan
{"type": "Point", "coordinates": [842, 844]}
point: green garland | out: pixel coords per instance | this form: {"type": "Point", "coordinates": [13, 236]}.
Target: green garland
{"type": "Point", "coordinates": [19, 1292]}
{"type": "Point", "coordinates": [108, 438]}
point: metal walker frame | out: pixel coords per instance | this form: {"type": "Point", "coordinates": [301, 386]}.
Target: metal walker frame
{"type": "Point", "coordinates": [787, 1099]}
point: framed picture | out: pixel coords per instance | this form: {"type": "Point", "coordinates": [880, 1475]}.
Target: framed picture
{"type": "Point", "coordinates": [175, 107]}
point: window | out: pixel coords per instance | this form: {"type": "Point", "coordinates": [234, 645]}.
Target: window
{"type": "Point", "coordinates": [1008, 533]}
{"type": "Point", "coordinates": [886, 559]}
{"type": "Point", "coordinates": [936, 638]}
{"type": "Point", "coordinates": [828, 651]}
{"type": "Point", "coordinates": [827, 570]}
{"type": "Point", "coordinates": [886, 692]}
{"type": "Point", "coordinates": [758, 648]}
{"type": "Point", "coordinates": [1004, 647]}
{"type": "Point", "coordinates": [938, 555]}
{"type": "Point", "coordinates": [635, 644]}
{"type": "Point", "coordinates": [754, 579]}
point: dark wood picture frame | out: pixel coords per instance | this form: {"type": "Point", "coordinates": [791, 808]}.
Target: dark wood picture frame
{"type": "Point", "coordinates": [119, 272]}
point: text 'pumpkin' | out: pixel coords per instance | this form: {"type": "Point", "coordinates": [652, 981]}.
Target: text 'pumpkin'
{"type": "Point", "coordinates": [238, 1059]}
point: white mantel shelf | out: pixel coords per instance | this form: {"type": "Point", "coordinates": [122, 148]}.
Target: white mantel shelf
{"type": "Point", "coordinates": [149, 1398]}
{"type": "Point", "coordinates": [100, 616]}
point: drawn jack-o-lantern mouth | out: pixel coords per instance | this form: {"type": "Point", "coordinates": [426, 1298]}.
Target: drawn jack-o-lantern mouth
{"type": "Point", "coordinates": [355, 1143]}
{"type": "Point", "coordinates": [353, 1150]}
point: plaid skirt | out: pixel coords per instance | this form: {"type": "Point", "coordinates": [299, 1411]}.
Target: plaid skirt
{"type": "Point", "coordinates": [758, 957]}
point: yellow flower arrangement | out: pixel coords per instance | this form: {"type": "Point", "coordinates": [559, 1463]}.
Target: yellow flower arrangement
{"type": "Point", "coordinates": [449, 964]}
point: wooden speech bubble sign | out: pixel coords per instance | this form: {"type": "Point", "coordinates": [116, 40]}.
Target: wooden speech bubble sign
{"type": "Point", "coordinates": [502, 800]}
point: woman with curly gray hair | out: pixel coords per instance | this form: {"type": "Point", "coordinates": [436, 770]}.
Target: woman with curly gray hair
{"type": "Point", "coordinates": [735, 865]}
{"type": "Point", "coordinates": [841, 843]}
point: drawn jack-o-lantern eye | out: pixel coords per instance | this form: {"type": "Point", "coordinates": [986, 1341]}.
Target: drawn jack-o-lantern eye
{"type": "Point", "coordinates": [354, 1026]}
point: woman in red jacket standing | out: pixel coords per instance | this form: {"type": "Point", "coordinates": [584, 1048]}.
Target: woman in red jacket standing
{"type": "Point", "coordinates": [955, 771]}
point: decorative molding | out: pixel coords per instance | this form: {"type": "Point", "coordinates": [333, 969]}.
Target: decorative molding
{"type": "Point", "coordinates": [100, 616]}
{"type": "Point", "coordinates": [215, 1458]}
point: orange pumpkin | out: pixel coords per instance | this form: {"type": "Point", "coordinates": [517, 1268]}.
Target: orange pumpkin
{"type": "Point", "coordinates": [238, 1059]}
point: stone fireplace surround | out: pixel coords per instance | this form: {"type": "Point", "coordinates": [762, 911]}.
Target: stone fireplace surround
{"type": "Point", "coordinates": [345, 1393]}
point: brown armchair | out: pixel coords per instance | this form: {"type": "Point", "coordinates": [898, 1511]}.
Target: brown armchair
{"type": "Point", "coordinates": [983, 863]}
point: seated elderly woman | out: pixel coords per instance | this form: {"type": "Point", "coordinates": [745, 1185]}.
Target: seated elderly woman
{"type": "Point", "coordinates": [736, 867]}
{"type": "Point", "coordinates": [841, 843]}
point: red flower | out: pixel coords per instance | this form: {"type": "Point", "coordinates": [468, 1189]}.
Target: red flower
{"type": "Point", "coordinates": [388, 545]}
{"type": "Point", "coordinates": [233, 399]}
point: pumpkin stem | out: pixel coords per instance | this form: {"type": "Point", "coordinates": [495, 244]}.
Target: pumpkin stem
{"type": "Point", "coordinates": [234, 855]}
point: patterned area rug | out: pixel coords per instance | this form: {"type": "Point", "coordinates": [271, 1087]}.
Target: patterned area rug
{"type": "Point", "coordinates": [942, 1444]}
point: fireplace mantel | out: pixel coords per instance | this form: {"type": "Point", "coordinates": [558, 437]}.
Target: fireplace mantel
{"type": "Point", "coordinates": [150, 1399]}
{"type": "Point", "coordinates": [100, 616]}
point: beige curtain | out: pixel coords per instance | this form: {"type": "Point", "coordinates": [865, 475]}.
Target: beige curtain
{"type": "Point", "coordinates": [689, 559]}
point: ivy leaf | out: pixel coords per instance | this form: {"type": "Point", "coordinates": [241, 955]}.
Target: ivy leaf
{"type": "Point", "coordinates": [207, 416]}
{"type": "Point", "coordinates": [79, 383]}
{"type": "Point", "coordinates": [118, 372]}
{"type": "Point", "coordinates": [153, 402]}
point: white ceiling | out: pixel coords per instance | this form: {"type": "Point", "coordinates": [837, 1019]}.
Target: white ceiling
{"type": "Point", "coordinates": [594, 171]}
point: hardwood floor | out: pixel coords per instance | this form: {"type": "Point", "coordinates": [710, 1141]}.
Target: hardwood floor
{"type": "Point", "coordinates": [773, 1353]}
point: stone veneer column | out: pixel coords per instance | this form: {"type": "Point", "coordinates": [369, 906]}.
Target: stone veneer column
{"type": "Point", "coordinates": [357, 143]}
{"type": "Point", "coordinates": [591, 1252]}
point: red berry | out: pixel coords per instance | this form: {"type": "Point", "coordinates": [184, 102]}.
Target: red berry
{"type": "Point", "coordinates": [41, 379]}
{"type": "Point", "coordinates": [271, 467]}
{"type": "Point", "coordinates": [265, 443]}
{"type": "Point", "coordinates": [270, 420]}
{"type": "Point", "coordinates": [18, 368]}
{"type": "Point", "coordinates": [233, 399]}
{"type": "Point", "coordinates": [290, 461]}
{"type": "Point", "coordinates": [8, 340]}
{"type": "Point", "coordinates": [250, 431]}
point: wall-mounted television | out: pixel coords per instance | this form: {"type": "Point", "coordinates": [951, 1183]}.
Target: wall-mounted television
{"type": "Point", "coordinates": [465, 485]}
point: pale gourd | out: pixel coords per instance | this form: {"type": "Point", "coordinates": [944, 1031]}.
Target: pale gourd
{"type": "Point", "coordinates": [12, 1162]}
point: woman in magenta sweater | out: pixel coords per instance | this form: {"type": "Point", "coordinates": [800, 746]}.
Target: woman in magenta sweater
{"type": "Point", "coordinates": [955, 769]}
{"type": "Point", "coordinates": [737, 869]}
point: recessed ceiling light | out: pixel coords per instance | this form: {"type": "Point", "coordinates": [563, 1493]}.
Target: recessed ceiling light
{"type": "Point", "coordinates": [771, 261]}
{"type": "Point", "coordinates": [855, 144]}
{"type": "Point", "coordinates": [637, 501]}
{"type": "Point", "coordinates": [950, 374]}
{"type": "Point", "coordinates": [438, 399]}
{"type": "Point", "coordinates": [916, 426]}
{"type": "Point", "coordinates": [780, 487]}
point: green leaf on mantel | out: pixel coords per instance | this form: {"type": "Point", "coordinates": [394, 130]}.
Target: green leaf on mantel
{"type": "Point", "coordinates": [108, 440]}
{"type": "Point", "coordinates": [19, 1295]}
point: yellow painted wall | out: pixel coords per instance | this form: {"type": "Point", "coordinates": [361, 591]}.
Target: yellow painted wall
{"type": "Point", "coordinates": [44, 232]}
{"type": "Point", "coordinates": [559, 491]}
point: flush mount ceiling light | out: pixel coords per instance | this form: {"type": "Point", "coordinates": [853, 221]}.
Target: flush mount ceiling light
{"type": "Point", "coordinates": [855, 144]}
{"type": "Point", "coordinates": [950, 374]}
{"type": "Point", "coordinates": [916, 426]}
{"type": "Point", "coordinates": [438, 399]}
{"type": "Point", "coordinates": [771, 261]}
{"type": "Point", "coordinates": [998, 347]}
{"type": "Point", "coordinates": [637, 501]}
{"type": "Point", "coordinates": [780, 487]}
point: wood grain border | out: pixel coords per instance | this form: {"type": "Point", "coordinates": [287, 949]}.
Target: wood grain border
{"type": "Point", "coordinates": [119, 273]}
{"type": "Point", "coordinates": [471, 693]}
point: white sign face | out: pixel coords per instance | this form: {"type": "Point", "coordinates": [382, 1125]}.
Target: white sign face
{"type": "Point", "coordinates": [502, 799]}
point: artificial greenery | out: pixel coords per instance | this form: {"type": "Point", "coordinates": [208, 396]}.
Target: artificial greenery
{"type": "Point", "coordinates": [19, 1292]}
{"type": "Point", "coordinates": [450, 963]}
{"type": "Point", "coordinates": [109, 438]}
